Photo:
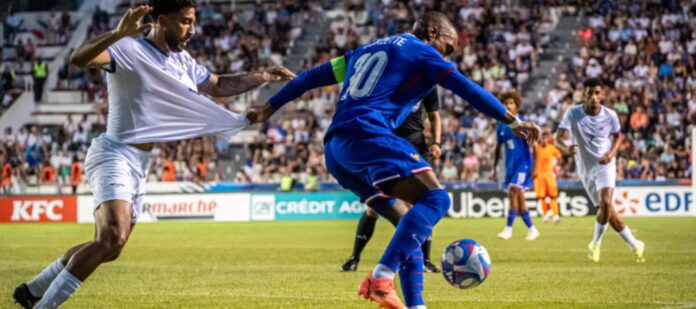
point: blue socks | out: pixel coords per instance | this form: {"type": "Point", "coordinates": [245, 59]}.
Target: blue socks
{"type": "Point", "coordinates": [411, 277]}
{"type": "Point", "coordinates": [415, 227]}
{"type": "Point", "coordinates": [512, 214]}
{"type": "Point", "coordinates": [527, 220]}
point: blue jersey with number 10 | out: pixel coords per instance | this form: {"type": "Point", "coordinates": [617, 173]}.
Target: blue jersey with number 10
{"type": "Point", "coordinates": [383, 81]}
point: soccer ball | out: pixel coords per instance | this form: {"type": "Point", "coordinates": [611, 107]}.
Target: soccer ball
{"type": "Point", "coordinates": [465, 264]}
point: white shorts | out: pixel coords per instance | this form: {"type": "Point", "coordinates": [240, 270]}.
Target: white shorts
{"type": "Point", "coordinates": [116, 171]}
{"type": "Point", "coordinates": [596, 179]}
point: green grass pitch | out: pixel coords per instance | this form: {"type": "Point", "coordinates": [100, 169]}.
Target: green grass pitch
{"type": "Point", "coordinates": [295, 265]}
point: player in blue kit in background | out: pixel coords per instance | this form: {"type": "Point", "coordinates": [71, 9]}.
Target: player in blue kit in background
{"type": "Point", "coordinates": [382, 81]}
{"type": "Point", "coordinates": [519, 164]}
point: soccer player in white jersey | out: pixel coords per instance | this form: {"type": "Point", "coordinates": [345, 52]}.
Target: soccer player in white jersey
{"type": "Point", "coordinates": [153, 86]}
{"type": "Point", "coordinates": [595, 131]}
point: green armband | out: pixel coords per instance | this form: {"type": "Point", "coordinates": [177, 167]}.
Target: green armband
{"type": "Point", "coordinates": [338, 65]}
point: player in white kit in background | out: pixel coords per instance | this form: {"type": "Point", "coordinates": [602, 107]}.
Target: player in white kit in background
{"type": "Point", "coordinates": [153, 86]}
{"type": "Point", "coordinates": [595, 130]}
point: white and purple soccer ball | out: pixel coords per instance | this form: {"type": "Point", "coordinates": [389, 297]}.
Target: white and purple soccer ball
{"type": "Point", "coordinates": [465, 264]}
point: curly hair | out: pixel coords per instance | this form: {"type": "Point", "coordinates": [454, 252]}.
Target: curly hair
{"type": "Point", "coordinates": [514, 95]}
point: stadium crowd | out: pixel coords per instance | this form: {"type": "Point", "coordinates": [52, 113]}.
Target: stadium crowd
{"type": "Point", "coordinates": [643, 50]}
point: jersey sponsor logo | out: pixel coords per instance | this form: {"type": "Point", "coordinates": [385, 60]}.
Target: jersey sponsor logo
{"type": "Point", "coordinates": [38, 209]}
{"type": "Point", "coordinates": [415, 156]}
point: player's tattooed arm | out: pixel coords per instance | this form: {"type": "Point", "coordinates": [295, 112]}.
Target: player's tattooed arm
{"type": "Point", "coordinates": [616, 142]}
{"type": "Point", "coordinates": [561, 137]}
{"type": "Point", "coordinates": [234, 84]}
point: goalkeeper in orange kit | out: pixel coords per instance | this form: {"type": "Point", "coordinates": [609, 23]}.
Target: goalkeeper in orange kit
{"type": "Point", "coordinates": [546, 156]}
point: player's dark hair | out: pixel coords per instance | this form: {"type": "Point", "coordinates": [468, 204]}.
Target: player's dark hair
{"type": "Point", "coordinates": [430, 19]}
{"type": "Point", "coordinates": [511, 95]}
{"type": "Point", "coordinates": [592, 82]}
{"type": "Point", "coordinates": [160, 7]}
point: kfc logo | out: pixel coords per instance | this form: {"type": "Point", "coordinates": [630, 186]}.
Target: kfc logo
{"type": "Point", "coordinates": [38, 209]}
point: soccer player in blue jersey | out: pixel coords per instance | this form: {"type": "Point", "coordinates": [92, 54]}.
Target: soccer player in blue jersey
{"type": "Point", "coordinates": [382, 81]}
{"type": "Point", "coordinates": [519, 163]}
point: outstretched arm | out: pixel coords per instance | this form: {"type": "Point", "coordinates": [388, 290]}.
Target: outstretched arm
{"type": "Point", "coordinates": [319, 76]}
{"type": "Point", "coordinates": [234, 84]}
{"type": "Point", "coordinates": [487, 103]}
{"type": "Point", "coordinates": [444, 73]}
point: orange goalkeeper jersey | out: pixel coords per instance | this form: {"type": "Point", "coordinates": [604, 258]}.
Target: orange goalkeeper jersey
{"type": "Point", "coordinates": [544, 162]}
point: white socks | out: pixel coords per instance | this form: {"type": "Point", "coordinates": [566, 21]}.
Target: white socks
{"type": "Point", "coordinates": [417, 307]}
{"type": "Point", "coordinates": [628, 237]}
{"type": "Point", "coordinates": [598, 232]}
{"type": "Point", "coordinates": [382, 271]}
{"type": "Point", "coordinates": [42, 281]}
{"type": "Point", "coordinates": [60, 290]}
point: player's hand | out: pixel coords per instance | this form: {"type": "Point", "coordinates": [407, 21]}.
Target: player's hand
{"type": "Point", "coordinates": [529, 131]}
{"type": "Point", "coordinates": [131, 24]}
{"type": "Point", "coordinates": [606, 158]}
{"type": "Point", "coordinates": [258, 114]}
{"type": "Point", "coordinates": [435, 150]}
{"type": "Point", "coordinates": [278, 74]}
{"type": "Point", "coordinates": [572, 150]}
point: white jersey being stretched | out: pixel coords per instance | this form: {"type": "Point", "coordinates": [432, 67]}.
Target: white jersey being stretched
{"type": "Point", "coordinates": [153, 97]}
{"type": "Point", "coordinates": [592, 135]}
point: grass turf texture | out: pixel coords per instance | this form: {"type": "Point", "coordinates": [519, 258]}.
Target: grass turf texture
{"type": "Point", "coordinates": [295, 265]}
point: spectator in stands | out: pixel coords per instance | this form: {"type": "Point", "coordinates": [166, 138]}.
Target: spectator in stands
{"type": "Point", "coordinates": [40, 73]}
{"type": "Point", "coordinates": [48, 173]}
{"type": "Point", "coordinates": [200, 170]}
{"type": "Point", "coordinates": [75, 174]}
{"type": "Point", "coordinates": [7, 173]}
{"type": "Point", "coordinates": [8, 78]}
{"type": "Point", "coordinates": [13, 22]}
{"type": "Point", "coordinates": [168, 170]}
{"type": "Point", "coordinates": [287, 183]}
{"type": "Point", "coordinates": [312, 183]}
{"type": "Point", "coordinates": [8, 139]}
{"type": "Point", "coordinates": [79, 139]}
{"type": "Point", "coordinates": [639, 119]}
{"type": "Point", "coordinates": [28, 50]}
{"type": "Point", "coordinates": [52, 28]}
{"type": "Point", "coordinates": [64, 27]}
{"type": "Point", "coordinates": [449, 171]}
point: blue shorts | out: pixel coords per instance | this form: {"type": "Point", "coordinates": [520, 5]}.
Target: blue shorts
{"type": "Point", "coordinates": [361, 162]}
{"type": "Point", "coordinates": [520, 177]}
